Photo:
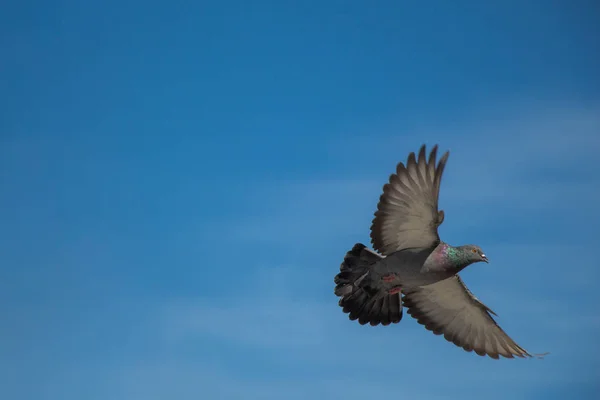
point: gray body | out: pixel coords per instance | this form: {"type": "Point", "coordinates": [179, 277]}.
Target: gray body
{"type": "Point", "coordinates": [407, 266]}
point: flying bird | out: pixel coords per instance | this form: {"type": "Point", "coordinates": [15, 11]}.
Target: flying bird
{"type": "Point", "coordinates": [412, 267]}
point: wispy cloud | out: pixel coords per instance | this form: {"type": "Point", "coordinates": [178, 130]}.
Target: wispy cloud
{"type": "Point", "coordinates": [194, 380]}
{"type": "Point", "coordinates": [291, 332]}
{"type": "Point", "coordinates": [284, 317]}
{"type": "Point", "coordinates": [499, 169]}
{"type": "Point", "coordinates": [523, 185]}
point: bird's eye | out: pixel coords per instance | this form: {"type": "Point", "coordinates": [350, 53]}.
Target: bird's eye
{"type": "Point", "coordinates": [474, 251]}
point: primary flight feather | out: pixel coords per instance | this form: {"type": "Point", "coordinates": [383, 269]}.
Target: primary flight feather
{"type": "Point", "coordinates": [412, 267]}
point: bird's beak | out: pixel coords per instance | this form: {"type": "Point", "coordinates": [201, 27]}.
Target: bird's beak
{"type": "Point", "coordinates": [484, 258]}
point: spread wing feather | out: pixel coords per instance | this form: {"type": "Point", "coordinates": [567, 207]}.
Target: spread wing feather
{"type": "Point", "coordinates": [448, 308]}
{"type": "Point", "coordinates": [407, 215]}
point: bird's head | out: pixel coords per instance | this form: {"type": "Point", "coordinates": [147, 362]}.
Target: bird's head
{"type": "Point", "coordinates": [474, 253]}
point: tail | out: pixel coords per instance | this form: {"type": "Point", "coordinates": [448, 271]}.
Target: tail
{"type": "Point", "coordinates": [362, 302]}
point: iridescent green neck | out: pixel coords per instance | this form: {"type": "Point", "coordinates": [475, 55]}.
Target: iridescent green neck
{"type": "Point", "coordinates": [457, 256]}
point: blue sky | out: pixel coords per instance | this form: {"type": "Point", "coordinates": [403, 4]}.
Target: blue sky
{"type": "Point", "coordinates": [181, 180]}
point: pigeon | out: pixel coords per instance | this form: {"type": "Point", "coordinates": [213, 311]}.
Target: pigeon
{"type": "Point", "coordinates": [411, 267]}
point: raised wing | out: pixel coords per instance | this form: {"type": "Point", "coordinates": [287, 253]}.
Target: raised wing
{"type": "Point", "coordinates": [407, 215]}
{"type": "Point", "coordinates": [448, 307]}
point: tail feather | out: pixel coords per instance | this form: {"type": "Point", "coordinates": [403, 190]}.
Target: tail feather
{"type": "Point", "coordinates": [385, 311]}
{"type": "Point", "coordinates": [395, 308]}
{"type": "Point", "coordinates": [357, 299]}
{"type": "Point", "coordinates": [374, 316]}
